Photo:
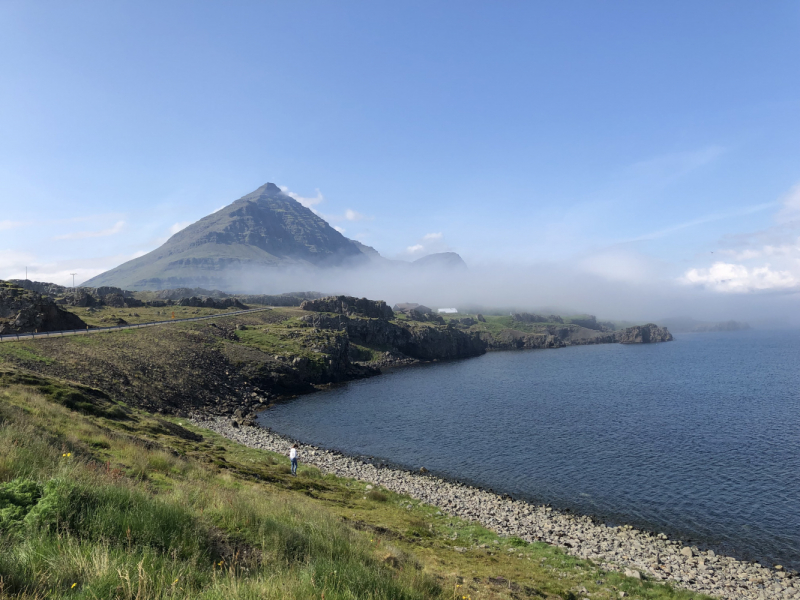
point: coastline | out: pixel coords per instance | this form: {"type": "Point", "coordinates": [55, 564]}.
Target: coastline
{"type": "Point", "coordinates": [623, 548]}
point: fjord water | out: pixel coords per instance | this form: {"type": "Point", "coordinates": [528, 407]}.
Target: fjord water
{"type": "Point", "coordinates": [698, 438]}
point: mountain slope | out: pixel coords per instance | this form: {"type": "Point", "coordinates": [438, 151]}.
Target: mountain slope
{"type": "Point", "coordinates": [265, 228]}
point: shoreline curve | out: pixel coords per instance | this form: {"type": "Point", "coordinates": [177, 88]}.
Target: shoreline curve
{"type": "Point", "coordinates": [622, 548]}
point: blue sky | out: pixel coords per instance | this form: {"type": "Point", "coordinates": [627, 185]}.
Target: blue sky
{"type": "Point", "coordinates": [631, 141]}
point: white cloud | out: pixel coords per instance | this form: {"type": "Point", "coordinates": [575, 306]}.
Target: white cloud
{"type": "Point", "coordinates": [767, 250]}
{"type": "Point", "coordinates": [79, 235]}
{"type": "Point", "coordinates": [432, 236]}
{"type": "Point", "coordinates": [415, 248]}
{"type": "Point", "coordinates": [352, 215]}
{"type": "Point", "coordinates": [339, 229]}
{"type": "Point", "coordinates": [138, 254]}
{"type": "Point", "coordinates": [737, 278]}
{"type": "Point", "coordinates": [746, 270]}
{"type": "Point", "coordinates": [791, 206]}
{"type": "Point", "coordinates": [179, 226]}
{"type": "Point", "coordinates": [307, 202]}
{"type": "Point", "coordinates": [10, 224]}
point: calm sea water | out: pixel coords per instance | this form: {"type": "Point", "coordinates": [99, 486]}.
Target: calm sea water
{"type": "Point", "coordinates": [698, 438]}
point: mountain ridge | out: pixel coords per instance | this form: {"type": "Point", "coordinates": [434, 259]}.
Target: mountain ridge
{"type": "Point", "coordinates": [265, 229]}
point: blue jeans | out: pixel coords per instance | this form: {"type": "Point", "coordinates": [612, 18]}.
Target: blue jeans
{"type": "Point", "coordinates": [294, 466]}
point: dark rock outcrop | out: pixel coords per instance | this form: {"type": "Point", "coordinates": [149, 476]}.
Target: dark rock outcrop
{"type": "Point", "coordinates": [415, 340]}
{"type": "Point", "coordinates": [643, 334]}
{"type": "Point", "coordinates": [222, 303]}
{"type": "Point", "coordinates": [287, 299]}
{"type": "Point", "coordinates": [407, 307]}
{"type": "Point", "coordinates": [24, 311]}
{"type": "Point", "coordinates": [425, 317]}
{"type": "Point", "coordinates": [348, 305]}
{"type": "Point", "coordinates": [559, 336]}
{"type": "Point", "coordinates": [82, 298]}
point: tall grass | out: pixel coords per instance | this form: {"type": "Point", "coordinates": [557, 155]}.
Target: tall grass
{"type": "Point", "coordinates": [75, 527]}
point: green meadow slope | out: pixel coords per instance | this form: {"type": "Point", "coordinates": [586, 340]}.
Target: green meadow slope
{"type": "Point", "coordinates": [100, 500]}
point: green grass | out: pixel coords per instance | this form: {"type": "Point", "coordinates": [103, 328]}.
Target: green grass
{"type": "Point", "coordinates": [105, 316]}
{"type": "Point", "coordinates": [98, 500]}
{"type": "Point", "coordinates": [289, 340]}
{"type": "Point", "coordinates": [496, 324]}
{"type": "Point", "coordinates": [23, 351]}
{"type": "Point", "coordinates": [362, 353]}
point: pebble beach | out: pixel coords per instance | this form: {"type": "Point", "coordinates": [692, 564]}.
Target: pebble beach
{"type": "Point", "coordinates": [638, 554]}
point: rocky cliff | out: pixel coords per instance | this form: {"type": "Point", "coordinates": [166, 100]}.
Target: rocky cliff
{"type": "Point", "coordinates": [367, 322]}
{"type": "Point", "coordinates": [644, 334]}
{"type": "Point", "coordinates": [348, 305]}
{"type": "Point", "coordinates": [25, 311]}
{"type": "Point", "coordinates": [557, 335]}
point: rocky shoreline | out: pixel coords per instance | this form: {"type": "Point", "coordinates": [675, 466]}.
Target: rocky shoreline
{"type": "Point", "coordinates": [636, 553]}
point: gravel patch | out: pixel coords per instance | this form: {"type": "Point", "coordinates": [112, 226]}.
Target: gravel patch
{"type": "Point", "coordinates": [625, 549]}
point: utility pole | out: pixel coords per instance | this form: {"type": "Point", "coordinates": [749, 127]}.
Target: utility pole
{"type": "Point", "coordinates": [73, 282]}
{"type": "Point", "coordinates": [26, 273]}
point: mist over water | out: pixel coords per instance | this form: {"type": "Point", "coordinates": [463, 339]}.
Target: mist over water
{"type": "Point", "coordinates": [697, 437]}
{"type": "Point", "coordinates": [558, 288]}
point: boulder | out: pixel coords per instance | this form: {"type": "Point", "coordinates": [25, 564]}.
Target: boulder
{"type": "Point", "coordinates": [24, 311]}
{"type": "Point", "coordinates": [82, 298]}
{"type": "Point", "coordinates": [208, 302]}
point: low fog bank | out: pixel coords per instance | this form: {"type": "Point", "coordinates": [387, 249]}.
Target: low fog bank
{"type": "Point", "coordinates": [541, 288]}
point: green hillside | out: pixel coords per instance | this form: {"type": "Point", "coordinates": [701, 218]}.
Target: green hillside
{"type": "Point", "coordinates": [99, 500]}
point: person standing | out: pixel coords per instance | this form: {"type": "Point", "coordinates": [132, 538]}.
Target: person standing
{"type": "Point", "coordinates": [293, 458]}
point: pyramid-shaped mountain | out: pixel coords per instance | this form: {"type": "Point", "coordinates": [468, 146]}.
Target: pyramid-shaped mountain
{"type": "Point", "coordinates": [266, 228]}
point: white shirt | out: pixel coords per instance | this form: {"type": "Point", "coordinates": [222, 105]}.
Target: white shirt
{"type": "Point", "coordinates": [293, 453]}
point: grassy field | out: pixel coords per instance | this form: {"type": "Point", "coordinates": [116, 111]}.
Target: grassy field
{"type": "Point", "coordinates": [98, 500]}
{"type": "Point", "coordinates": [106, 316]}
{"type": "Point", "coordinates": [495, 324]}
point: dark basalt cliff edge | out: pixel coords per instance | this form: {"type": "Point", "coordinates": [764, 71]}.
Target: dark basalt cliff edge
{"type": "Point", "coordinates": [644, 334]}
{"type": "Point", "coordinates": [347, 305]}
{"type": "Point", "coordinates": [411, 340]}
{"type": "Point", "coordinates": [24, 311]}
{"type": "Point", "coordinates": [234, 365]}
{"type": "Point", "coordinates": [560, 336]}
{"type": "Point", "coordinates": [369, 323]}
